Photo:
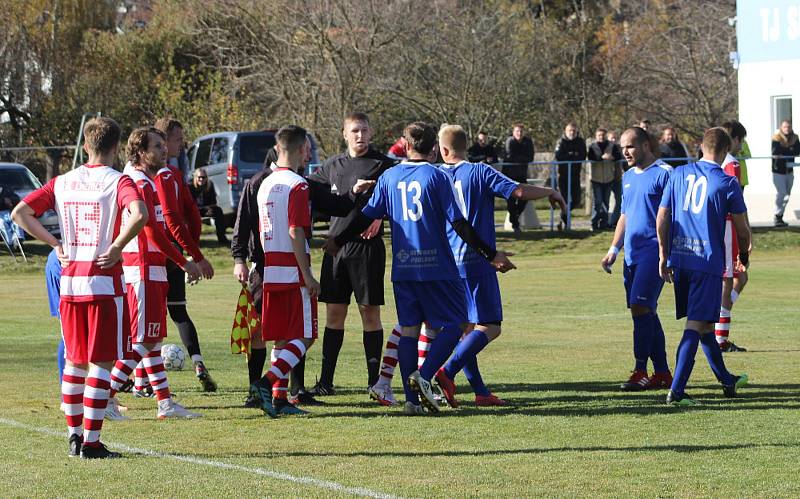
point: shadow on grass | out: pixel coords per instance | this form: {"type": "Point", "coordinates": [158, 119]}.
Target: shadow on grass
{"type": "Point", "coordinates": [681, 448]}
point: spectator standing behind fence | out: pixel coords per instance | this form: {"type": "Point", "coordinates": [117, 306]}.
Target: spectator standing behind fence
{"type": "Point", "coordinates": [206, 198]}
{"type": "Point", "coordinates": [620, 167]}
{"type": "Point", "coordinates": [519, 152]}
{"type": "Point", "coordinates": [570, 147]}
{"type": "Point", "coordinates": [744, 154]}
{"type": "Point", "coordinates": [784, 146]}
{"type": "Point", "coordinates": [604, 158]}
{"type": "Point", "coordinates": [482, 151]}
{"type": "Point", "coordinates": [671, 147]}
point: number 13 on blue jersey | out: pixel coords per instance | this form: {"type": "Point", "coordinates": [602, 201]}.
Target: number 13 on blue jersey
{"type": "Point", "coordinates": [414, 190]}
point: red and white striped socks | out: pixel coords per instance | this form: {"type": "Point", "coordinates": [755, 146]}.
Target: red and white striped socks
{"type": "Point", "coordinates": [423, 345]}
{"type": "Point", "coordinates": [285, 359]}
{"type": "Point", "coordinates": [73, 385]}
{"type": "Point", "coordinates": [722, 328]}
{"type": "Point", "coordinates": [280, 387]}
{"type": "Point", "coordinates": [123, 368]}
{"type": "Point", "coordinates": [95, 400]}
{"type": "Point", "coordinates": [154, 365]}
{"type": "Point", "coordinates": [390, 357]}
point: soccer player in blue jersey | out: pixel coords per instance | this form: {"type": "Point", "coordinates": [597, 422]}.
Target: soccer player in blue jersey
{"type": "Point", "coordinates": [476, 185]}
{"type": "Point", "coordinates": [691, 230]}
{"type": "Point", "coordinates": [643, 185]}
{"type": "Point", "coordinates": [52, 277]}
{"type": "Point", "coordinates": [419, 202]}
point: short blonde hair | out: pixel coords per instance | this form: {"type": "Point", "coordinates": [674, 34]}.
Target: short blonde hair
{"type": "Point", "coordinates": [453, 137]}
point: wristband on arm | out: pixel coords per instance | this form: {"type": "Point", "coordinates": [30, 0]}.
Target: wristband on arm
{"type": "Point", "coordinates": [613, 249]}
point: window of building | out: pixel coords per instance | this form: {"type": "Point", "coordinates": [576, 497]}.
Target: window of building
{"type": "Point", "coordinates": [781, 110]}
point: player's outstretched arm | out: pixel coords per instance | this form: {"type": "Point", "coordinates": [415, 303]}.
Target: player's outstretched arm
{"type": "Point", "coordinates": [616, 244]}
{"type": "Point", "coordinates": [25, 217]}
{"type": "Point", "coordinates": [298, 236]}
{"type": "Point", "coordinates": [137, 219]}
{"type": "Point", "coordinates": [534, 192]}
{"type": "Point", "coordinates": [743, 236]}
{"type": "Point", "coordinates": [662, 229]}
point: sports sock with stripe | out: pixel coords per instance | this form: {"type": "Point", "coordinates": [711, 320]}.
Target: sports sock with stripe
{"type": "Point", "coordinates": [287, 358]}
{"type": "Point", "coordinates": [73, 385]}
{"type": "Point", "coordinates": [426, 337]}
{"type": "Point", "coordinates": [154, 366]}
{"type": "Point", "coordinates": [390, 356]}
{"type": "Point", "coordinates": [122, 369]}
{"type": "Point", "coordinates": [95, 400]}
{"type": "Point", "coordinates": [723, 326]}
{"type": "Point", "coordinates": [687, 349]}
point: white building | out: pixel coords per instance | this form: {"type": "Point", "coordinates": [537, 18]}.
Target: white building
{"type": "Point", "coordinates": [768, 38]}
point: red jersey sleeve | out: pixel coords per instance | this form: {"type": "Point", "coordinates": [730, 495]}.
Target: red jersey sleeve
{"type": "Point", "coordinates": [42, 199]}
{"type": "Point", "coordinates": [155, 232]}
{"type": "Point", "coordinates": [168, 190]}
{"type": "Point", "coordinates": [128, 193]}
{"type": "Point", "coordinates": [299, 206]}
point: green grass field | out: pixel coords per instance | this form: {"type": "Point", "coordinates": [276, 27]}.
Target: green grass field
{"type": "Point", "coordinates": [569, 431]}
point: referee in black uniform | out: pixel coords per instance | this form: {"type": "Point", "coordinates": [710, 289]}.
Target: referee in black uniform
{"type": "Point", "coordinates": [359, 267]}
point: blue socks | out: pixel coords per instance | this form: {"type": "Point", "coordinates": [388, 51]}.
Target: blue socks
{"type": "Point", "coordinates": [714, 356]}
{"type": "Point", "coordinates": [687, 349]}
{"type": "Point", "coordinates": [60, 359]}
{"type": "Point", "coordinates": [407, 357]}
{"type": "Point", "coordinates": [643, 331]}
{"type": "Point", "coordinates": [473, 375]}
{"type": "Point", "coordinates": [467, 349]}
{"type": "Point", "coordinates": [658, 352]}
{"type": "Point", "coordinates": [441, 348]}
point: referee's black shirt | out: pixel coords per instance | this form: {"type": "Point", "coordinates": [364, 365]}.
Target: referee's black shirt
{"type": "Point", "coordinates": [246, 243]}
{"type": "Point", "coordinates": [341, 172]}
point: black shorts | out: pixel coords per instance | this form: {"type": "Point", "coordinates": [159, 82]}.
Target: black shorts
{"type": "Point", "coordinates": [176, 278]}
{"type": "Point", "coordinates": [255, 284]}
{"type": "Point", "coordinates": [357, 270]}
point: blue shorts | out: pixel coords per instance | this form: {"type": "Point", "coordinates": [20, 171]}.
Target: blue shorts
{"type": "Point", "coordinates": [642, 284]}
{"type": "Point", "coordinates": [484, 305]}
{"type": "Point", "coordinates": [698, 295]}
{"type": "Point", "coordinates": [435, 302]}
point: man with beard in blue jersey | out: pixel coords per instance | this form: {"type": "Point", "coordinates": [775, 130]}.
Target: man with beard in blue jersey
{"type": "Point", "coordinates": [691, 230]}
{"type": "Point", "coordinates": [476, 185]}
{"type": "Point", "coordinates": [643, 184]}
{"type": "Point", "coordinates": [418, 200]}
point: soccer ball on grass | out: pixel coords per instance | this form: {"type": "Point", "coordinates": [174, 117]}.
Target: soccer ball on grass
{"type": "Point", "coordinates": [173, 356]}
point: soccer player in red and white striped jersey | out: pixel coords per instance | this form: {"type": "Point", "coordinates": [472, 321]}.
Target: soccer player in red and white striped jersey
{"type": "Point", "coordinates": [144, 263]}
{"type": "Point", "coordinates": [734, 277]}
{"type": "Point", "coordinates": [289, 303]}
{"type": "Point", "coordinates": [183, 223]}
{"type": "Point", "coordinates": [89, 201]}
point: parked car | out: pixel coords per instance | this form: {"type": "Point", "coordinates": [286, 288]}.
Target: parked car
{"type": "Point", "coordinates": [17, 178]}
{"type": "Point", "coordinates": [230, 159]}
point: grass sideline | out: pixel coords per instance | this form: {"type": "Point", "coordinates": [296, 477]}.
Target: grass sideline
{"type": "Point", "coordinates": [570, 432]}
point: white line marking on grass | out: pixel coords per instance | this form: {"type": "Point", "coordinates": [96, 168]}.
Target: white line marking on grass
{"type": "Point", "coordinates": [311, 482]}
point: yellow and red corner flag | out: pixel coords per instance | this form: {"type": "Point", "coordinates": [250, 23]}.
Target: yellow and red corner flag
{"type": "Point", "coordinates": [246, 322]}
